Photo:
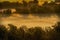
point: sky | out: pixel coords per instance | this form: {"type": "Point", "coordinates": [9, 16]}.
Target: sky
{"type": "Point", "coordinates": [30, 21]}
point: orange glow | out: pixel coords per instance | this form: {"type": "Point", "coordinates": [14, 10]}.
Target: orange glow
{"type": "Point", "coordinates": [30, 21]}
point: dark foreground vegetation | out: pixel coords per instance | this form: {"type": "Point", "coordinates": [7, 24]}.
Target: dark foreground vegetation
{"type": "Point", "coordinates": [24, 33]}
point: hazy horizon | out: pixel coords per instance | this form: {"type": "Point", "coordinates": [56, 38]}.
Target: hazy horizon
{"type": "Point", "coordinates": [30, 21]}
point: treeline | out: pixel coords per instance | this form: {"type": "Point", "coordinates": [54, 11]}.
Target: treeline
{"type": "Point", "coordinates": [32, 7]}
{"type": "Point", "coordinates": [24, 33]}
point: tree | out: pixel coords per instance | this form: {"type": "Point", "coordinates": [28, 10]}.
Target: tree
{"type": "Point", "coordinates": [55, 33]}
{"type": "Point", "coordinates": [34, 34]}
{"type": "Point", "coordinates": [29, 34]}
{"type": "Point", "coordinates": [57, 0]}
{"type": "Point", "coordinates": [0, 5]}
{"type": "Point", "coordinates": [12, 34]}
{"type": "Point", "coordinates": [7, 13]}
{"type": "Point", "coordinates": [21, 33]}
{"type": "Point", "coordinates": [3, 33]}
{"type": "Point", "coordinates": [24, 3]}
{"type": "Point", "coordinates": [38, 33]}
{"type": "Point", "coordinates": [57, 9]}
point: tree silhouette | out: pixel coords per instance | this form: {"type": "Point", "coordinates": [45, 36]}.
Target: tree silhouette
{"type": "Point", "coordinates": [24, 3]}
{"type": "Point", "coordinates": [21, 33]}
{"type": "Point", "coordinates": [12, 34]}
{"type": "Point", "coordinates": [55, 33]}
{"type": "Point", "coordinates": [7, 13]}
{"type": "Point", "coordinates": [34, 33]}
{"type": "Point", "coordinates": [38, 33]}
{"type": "Point", "coordinates": [3, 33]}
{"type": "Point", "coordinates": [57, 9]}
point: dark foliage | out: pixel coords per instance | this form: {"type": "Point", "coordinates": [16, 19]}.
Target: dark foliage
{"type": "Point", "coordinates": [6, 13]}
{"type": "Point", "coordinates": [55, 33]}
{"type": "Point", "coordinates": [24, 33]}
{"type": "Point", "coordinates": [32, 7]}
{"type": "Point", "coordinates": [3, 33]}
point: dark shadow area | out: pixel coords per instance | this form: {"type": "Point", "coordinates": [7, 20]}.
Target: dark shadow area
{"type": "Point", "coordinates": [24, 33]}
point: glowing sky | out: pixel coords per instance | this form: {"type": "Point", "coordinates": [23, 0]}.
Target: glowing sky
{"type": "Point", "coordinates": [30, 21]}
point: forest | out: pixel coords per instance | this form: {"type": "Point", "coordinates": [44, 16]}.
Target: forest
{"type": "Point", "coordinates": [24, 33]}
{"type": "Point", "coordinates": [31, 7]}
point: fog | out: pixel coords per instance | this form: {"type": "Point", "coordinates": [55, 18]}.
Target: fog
{"type": "Point", "coordinates": [30, 21]}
